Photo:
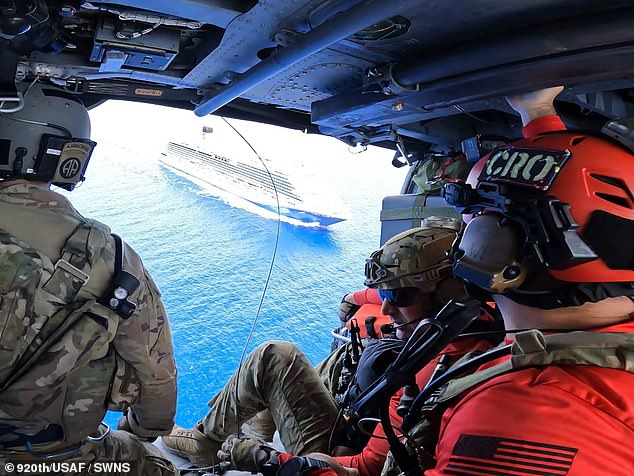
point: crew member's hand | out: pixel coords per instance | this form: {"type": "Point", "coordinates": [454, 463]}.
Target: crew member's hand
{"type": "Point", "coordinates": [535, 103]}
{"type": "Point", "coordinates": [340, 469]}
{"type": "Point", "coordinates": [244, 454]}
{"type": "Point", "coordinates": [347, 308]}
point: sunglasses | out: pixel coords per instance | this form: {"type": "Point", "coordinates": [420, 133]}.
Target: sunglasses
{"type": "Point", "coordinates": [401, 297]}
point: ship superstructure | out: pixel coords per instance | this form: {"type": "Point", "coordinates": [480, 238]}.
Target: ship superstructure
{"type": "Point", "coordinates": [252, 182]}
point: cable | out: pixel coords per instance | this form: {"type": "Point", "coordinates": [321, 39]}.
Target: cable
{"type": "Point", "coordinates": [136, 34]}
{"type": "Point", "coordinates": [461, 109]}
{"type": "Point", "coordinates": [37, 123]}
{"type": "Point", "coordinates": [268, 277]}
{"type": "Point", "coordinates": [19, 99]}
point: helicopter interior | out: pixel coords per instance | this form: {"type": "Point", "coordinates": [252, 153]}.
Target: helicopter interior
{"type": "Point", "coordinates": [418, 77]}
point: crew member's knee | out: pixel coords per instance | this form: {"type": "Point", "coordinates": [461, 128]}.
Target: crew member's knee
{"type": "Point", "coordinates": [280, 352]}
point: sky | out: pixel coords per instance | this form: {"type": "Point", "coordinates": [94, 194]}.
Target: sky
{"type": "Point", "coordinates": [142, 124]}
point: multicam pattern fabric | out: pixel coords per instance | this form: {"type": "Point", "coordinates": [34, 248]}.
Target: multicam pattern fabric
{"type": "Point", "coordinates": [430, 176]}
{"type": "Point", "coordinates": [102, 361]}
{"type": "Point", "coordinates": [118, 453]}
{"type": "Point", "coordinates": [279, 378]}
{"type": "Point", "coordinates": [22, 269]}
{"type": "Point", "coordinates": [415, 258]}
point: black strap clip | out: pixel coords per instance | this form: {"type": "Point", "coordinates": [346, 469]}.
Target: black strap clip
{"type": "Point", "coordinates": [123, 284]}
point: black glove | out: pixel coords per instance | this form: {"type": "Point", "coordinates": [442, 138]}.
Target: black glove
{"type": "Point", "coordinates": [301, 465]}
{"type": "Point", "coordinates": [346, 310]}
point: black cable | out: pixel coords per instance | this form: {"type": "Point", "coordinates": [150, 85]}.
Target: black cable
{"type": "Point", "coordinates": [407, 462]}
{"type": "Point", "coordinates": [38, 123]}
{"type": "Point", "coordinates": [427, 340]}
{"type": "Point", "coordinates": [268, 277]}
{"type": "Point", "coordinates": [333, 429]}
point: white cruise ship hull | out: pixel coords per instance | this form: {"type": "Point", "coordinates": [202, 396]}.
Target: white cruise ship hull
{"type": "Point", "coordinates": [247, 182]}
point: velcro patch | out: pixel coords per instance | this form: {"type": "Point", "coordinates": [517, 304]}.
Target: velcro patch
{"type": "Point", "coordinates": [532, 168]}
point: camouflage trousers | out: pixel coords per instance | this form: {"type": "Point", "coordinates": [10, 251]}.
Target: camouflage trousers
{"type": "Point", "coordinates": [278, 388]}
{"type": "Point", "coordinates": [118, 453]}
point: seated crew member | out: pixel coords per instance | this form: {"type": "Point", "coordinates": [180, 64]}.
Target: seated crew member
{"type": "Point", "coordinates": [564, 403]}
{"type": "Point", "coordinates": [351, 302]}
{"type": "Point", "coordinates": [277, 376]}
{"type": "Point", "coordinates": [84, 328]}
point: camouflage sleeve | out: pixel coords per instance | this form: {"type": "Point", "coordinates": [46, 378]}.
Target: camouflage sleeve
{"type": "Point", "coordinates": [144, 342]}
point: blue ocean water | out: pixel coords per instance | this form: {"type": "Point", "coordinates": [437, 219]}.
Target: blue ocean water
{"type": "Point", "coordinates": [211, 259]}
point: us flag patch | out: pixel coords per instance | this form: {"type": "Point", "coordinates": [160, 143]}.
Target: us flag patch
{"type": "Point", "coordinates": [487, 455]}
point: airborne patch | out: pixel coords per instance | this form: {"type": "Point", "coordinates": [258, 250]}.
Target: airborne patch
{"type": "Point", "coordinates": [533, 168]}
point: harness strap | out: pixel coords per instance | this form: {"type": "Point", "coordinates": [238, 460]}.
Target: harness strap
{"type": "Point", "coordinates": [122, 285]}
{"type": "Point", "coordinates": [613, 350]}
{"type": "Point", "coordinates": [65, 282]}
{"type": "Point", "coordinates": [71, 270]}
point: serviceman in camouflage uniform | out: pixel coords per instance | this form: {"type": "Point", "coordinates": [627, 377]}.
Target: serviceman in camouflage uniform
{"type": "Point", "coordinates": [83, 328]}
{"type": "Point", "coordinates": [277, 377]}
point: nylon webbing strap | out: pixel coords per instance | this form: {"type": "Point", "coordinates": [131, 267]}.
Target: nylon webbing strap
{"type": "Point", "coordinates": [75, 249]}
{"type": "Point", "coordinates": [118, 256]}
{"type": "Point", "coordinates": [68, 270]}
{"type": "Point", "coordinates": [613, 350]}
{"type": "Point", "coordinates": [409, 213]}
{"type": "Point", "coordinates": [69, 275]}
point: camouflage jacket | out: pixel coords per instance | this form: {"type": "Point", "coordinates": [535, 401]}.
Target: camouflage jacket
{"type": "Point", "coordinates": [104, 361]}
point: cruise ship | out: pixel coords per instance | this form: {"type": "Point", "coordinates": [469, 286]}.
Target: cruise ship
{"type": "Point", "coordinates": [252, 182]}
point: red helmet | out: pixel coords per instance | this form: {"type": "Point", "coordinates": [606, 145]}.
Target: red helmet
{"type": "Point", "coordinates": [564, 206]}
{"type": "Point", "coordinates": [597, 182]}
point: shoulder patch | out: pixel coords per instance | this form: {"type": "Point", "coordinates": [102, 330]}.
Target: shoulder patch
{"type": "Point", "coordinates": [475, 454]}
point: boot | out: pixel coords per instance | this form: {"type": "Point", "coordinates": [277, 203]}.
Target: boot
{"type": "Point", "coordinates": [193, 445]}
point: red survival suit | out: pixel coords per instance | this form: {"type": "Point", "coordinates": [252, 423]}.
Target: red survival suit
{"type": "Point", "coordinates": [567, 420]}
{"type": "Point", "coordinates": [370, 461]}
{"type": "Point", "coordinates": [556, 420]}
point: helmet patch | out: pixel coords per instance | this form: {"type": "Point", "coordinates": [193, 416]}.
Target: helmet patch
{"type": "Point", "coordinates": [532, 168]}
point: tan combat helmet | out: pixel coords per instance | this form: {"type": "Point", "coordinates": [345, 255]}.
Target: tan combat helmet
{"type": "Point", "coordinates": [416, 258]}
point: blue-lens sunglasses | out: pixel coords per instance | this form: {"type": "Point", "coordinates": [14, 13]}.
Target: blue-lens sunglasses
{"type": "Point", "coordinates": [401, 297]}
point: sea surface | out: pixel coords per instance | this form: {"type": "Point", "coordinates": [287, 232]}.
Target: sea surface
{"type": "Point", "coordinates": [211, 258]}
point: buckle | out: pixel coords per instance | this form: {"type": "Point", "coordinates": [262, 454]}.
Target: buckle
{"type": "Point", "coordinates": [104, 430]}
{"type": "Point", "coordinates": [69, 268]}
